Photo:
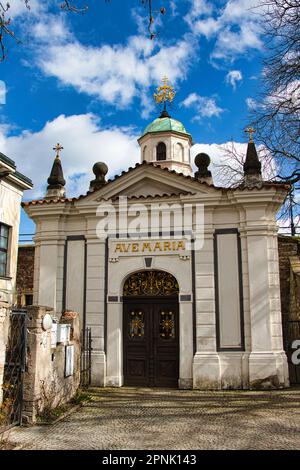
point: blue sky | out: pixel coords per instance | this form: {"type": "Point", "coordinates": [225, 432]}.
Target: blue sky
{"type": "Point", "coordinates": [87, 81]}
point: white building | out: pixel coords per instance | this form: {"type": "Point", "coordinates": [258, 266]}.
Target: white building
{"type": "Point", "coordinates": [12, 186]}
{"type": "Point", "coordinates": [161, 312]}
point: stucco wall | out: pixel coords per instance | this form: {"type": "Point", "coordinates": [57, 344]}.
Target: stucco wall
{"type": "Point", "coordinates": [10, 200]}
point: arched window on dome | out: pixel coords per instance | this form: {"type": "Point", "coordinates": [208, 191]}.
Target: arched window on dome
{"type": "Point", "coordinates": [161, 151]}
{"type": "Point", "coordinates": [145, 153]}
{"type": "Point", "coordinates": [179, 152]}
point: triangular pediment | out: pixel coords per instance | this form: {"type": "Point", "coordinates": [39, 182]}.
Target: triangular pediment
{"type": "Point", "coordinates": [148, 180]}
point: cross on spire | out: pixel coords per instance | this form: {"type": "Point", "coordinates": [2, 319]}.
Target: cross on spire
{"type": "Point", "coordinates": [58, 148]}
{"type": "Point", "coordinates": [250, 131]}
{"type": "Point", "coordinates": [165, 92]}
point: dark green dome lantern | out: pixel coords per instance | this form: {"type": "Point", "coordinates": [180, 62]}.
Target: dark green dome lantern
{"type": "Point", "coordinates": [165, 124]}
{"type": "Point", "coordinates": [165, 141]}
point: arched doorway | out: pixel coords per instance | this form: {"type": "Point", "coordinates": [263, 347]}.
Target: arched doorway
{"type": "Point", "coordinates": [151, 330]}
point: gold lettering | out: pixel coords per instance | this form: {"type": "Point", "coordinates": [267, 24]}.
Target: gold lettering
{"type": "Point", "coordinates": [126, 247]}
{"type": "Point", "coordinates": [167, 246]}
{"type": "Point", "coordinates": [181, 245]}
{"type": "Point", "coordinates": [157, 246]}
{"type": "Point", "coordinates": [135, 247]}
{"type": "Point", "coordinates": [174, 246]}
{"type": "Point", "coordinates": [118, 248]}
{"type": "Point", "coordinates": [146, 246]}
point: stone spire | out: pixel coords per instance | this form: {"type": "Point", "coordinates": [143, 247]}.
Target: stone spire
{"type": "Point", "coordinates": [56, 181]}
{"type": "Point", "coordinates": [252, 165]}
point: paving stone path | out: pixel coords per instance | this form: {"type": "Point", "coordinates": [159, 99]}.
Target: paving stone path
{"type": "Point", "coordinates": [145, 419]}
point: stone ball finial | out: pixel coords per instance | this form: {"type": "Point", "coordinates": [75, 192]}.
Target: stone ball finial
{"type": "Point", "coordinates": [202, 162]}
{"type": "Point", "coordinates": [100, 170]}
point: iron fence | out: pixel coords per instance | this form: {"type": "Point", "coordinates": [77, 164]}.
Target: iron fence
{"type": "Point", "coordinates": [86, 358]}
{"type": "Point", "coordinates": [14, 369]}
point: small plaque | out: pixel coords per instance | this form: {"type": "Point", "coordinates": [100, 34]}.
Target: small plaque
{"type": "Point", "coordinates": [185, 298]}
{"type": "Point", "coordinates": [63, 333]}
{"type": "Point", "coordinates": [69, 361]}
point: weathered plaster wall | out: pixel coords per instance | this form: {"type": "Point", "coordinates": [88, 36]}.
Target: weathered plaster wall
{"type": "Point", "coordinates": [10, 200]}
{"type": "Point", "coordinates": [45, 385]}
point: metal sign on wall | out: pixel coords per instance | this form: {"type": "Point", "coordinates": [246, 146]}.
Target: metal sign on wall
{"type": "Point", "coordinates": [130, 247]}
{"type": "Point", "coordinates": [69, 361]}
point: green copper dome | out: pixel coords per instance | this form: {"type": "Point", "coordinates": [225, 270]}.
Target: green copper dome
{"type": "Point", "coordinates": [165, 124]}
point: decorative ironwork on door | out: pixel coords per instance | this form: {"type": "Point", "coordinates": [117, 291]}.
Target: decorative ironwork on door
{"type": "Point", "coordinates": [156, 283]}
{"type": "Point", "coordinates": [136, 324]}
{"type": "Point", "coordinates": [14, 369]}
{"type": "Point", "coordinates": [167, 325]}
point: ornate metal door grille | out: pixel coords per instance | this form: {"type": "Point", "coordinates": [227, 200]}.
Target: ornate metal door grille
{"type": "Point", "coordinates": [150, 283]}
{"type": "Point", "coordinates": [291, 332]}
{"type": "Point", "coordinates": [14, 368]}
{"type": "Point", "coordinates": [86, 358]}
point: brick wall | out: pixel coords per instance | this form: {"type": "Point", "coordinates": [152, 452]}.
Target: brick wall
{"type": "Point", "coordinates": [287, 246]}
{"type": "Point", "coordinates": [25, 270]}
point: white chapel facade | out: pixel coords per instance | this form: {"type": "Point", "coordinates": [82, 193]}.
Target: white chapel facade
{"type": "Point", "coordinates": [161, 312]}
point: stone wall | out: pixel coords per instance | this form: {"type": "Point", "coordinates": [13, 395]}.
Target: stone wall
{"type": "Point", "coordinates": [25, 270]}
{"type": "Point", "coordinates": [45, 383]}
{"type": "Point", "coordinates": [288, 247]}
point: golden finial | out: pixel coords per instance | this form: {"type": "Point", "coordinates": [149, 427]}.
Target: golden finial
{"type": "Point", "coordinates": [58, 148]}
{"type": "Point", "coordinates": [164, 92]}
{"type": "Point", "coordinates": [250, 131]}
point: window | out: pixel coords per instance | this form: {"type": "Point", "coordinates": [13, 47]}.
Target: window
{"type": "Point", "coordinates": [4, 238]}
{"type": "Point", "coordinates": [161, 151]}
{"type": "Point", "coordinates": [179, 152]}
{"type": "Point", "coordinates": [145, 153]}
{"type": "Point", "coordinates": [28, 299]}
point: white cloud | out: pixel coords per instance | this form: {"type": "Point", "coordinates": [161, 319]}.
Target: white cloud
{"type": "Point", "coordinates": [234, 26]}
{"type": "Point", "coordinates": [232, 155]}
{"type": "Point", "coordinates": [112, 73]}
{"type": "Point", "coordinates": [217, 153]}
{"type": "Point", "coordinates": [18, 8]}
{"type": "Point", "coordinates": [204, 105]}
{"type": "Point", "coordinates": [233, 77]}
{"type": "Point", "coordinates": [115, 74]}
{"type": "Point", "coordinates": [251, 103]}
{"type": "Point", "coordinates": [2, 92]}
{"type": "Point", "coordinates": [85, 142]}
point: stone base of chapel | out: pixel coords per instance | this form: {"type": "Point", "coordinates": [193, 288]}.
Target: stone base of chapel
{"type": "Point", "coordinates": [216, 371]}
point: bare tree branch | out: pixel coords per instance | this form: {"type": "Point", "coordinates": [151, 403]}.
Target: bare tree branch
{"type": "Point", "coordinates": [68, 6]}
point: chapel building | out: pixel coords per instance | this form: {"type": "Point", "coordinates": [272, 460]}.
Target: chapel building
{"type": "Point", "coordinates": [195, 306]}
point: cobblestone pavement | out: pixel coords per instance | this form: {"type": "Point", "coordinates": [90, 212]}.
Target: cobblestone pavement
{"type": "Point", "coordinates": [144, 419]}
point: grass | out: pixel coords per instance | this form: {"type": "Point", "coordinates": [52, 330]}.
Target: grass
{"type": "Point", "coordinates": [49, 415]}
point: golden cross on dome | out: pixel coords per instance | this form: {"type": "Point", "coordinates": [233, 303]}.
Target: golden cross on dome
{"type": "Point", "coordinates": [58, 148]}
{"type": "Point", "coordinates": [164, 92]}
{"type": "Point", "coordinates": [250, 131]}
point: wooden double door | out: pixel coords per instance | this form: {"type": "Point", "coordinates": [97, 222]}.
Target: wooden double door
{"type": "Point", "coordinates": [151, 342]}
